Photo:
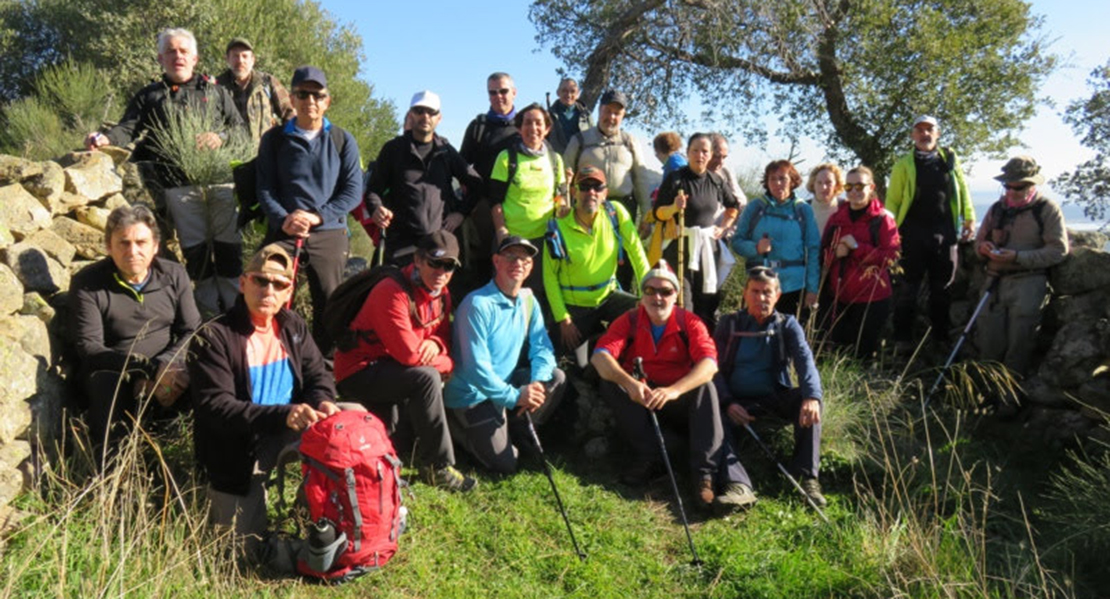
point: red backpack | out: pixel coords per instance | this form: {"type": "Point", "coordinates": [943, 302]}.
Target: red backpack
{"type": "Point", "coordinates": [352, 486]}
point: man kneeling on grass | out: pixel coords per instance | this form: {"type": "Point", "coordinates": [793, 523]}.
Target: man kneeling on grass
{"type": "Point", "coordinates": [679, 361]}
{"type": "Point", "coordinates": [258, 381]}
{"type": "Point", "coordinates": [757, 348]}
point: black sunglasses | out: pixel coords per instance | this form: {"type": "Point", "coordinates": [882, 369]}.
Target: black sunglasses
{"type": "Point", "coordinates": [264, 281]}
{"type": "Point", "coordinates": [1019, 186]}
{"type": "Point", "coordinates": [591, 186]}
{"type": "Point", "coordinates": [304, 94]}
{"type": "Point", "coordinates": [504, 91]}
{"type": "Point", "coordinates": [660, 291]}
{"type": "Point", "coordinates": [446, 265]}
{"type": "Point", "coordinates": [424, 110]}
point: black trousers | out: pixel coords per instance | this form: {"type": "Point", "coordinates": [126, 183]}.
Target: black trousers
{"type": "Point", "coordinates": [924, 257]}
{"type": "Point", "coordinates": [698, 412]}
{"type": "Point", "coordinates": [703, 304]}
{"type": "Point", "coordinates": [592, 321]}
{"type": "Point", "coordinates": [323, 258]}
{"type": "Point", "coordinates": [786, 404]}
{"type": "Point", "coordinates": [417, 392]}
{"type": "Point", "coordinates": [861, 325]}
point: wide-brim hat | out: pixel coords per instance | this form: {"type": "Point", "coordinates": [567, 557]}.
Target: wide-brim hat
{"type": "Point", "coordinates": [1021, 169]}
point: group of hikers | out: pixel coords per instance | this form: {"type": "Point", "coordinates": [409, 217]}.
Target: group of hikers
{"type": "Point", "coordinates": [554, 249]}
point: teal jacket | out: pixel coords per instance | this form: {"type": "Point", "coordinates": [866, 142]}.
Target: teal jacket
{"type": "Point", "coordinates": [903, 188]}
{"type": "Point", "coordinates": [795, 245]}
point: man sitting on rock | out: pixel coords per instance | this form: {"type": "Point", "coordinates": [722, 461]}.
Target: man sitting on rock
{"type": "Point", "coordinates": [258, 381]}
{"type": "Point", "coordinates": [131, 316]}
{"type": "Point", "coordinates": [679, 361]}
{"type": "Point", "coordinates": [757, 348]}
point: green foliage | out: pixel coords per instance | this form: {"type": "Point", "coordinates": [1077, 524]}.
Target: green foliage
{"type": "Point", "coordinates": [1083, 489]}
{"type": "Point", "coordinates": [854, 74]}
{"type": "Point", "coordinates": [67, 102]}
{"type": "Point", "coordinates": [118, 38]}
{"type": "Point", "coordinates": [1089, 183]}
{"type": "Point", "coordinates": [179, 145]}
{"type": "Point", "coordinates": [32, 129]}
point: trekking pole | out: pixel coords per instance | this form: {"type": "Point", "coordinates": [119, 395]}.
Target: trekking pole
{"type": "Point", "coordinates": [771, 456]}
{"type": "Point", "coordinates": [554, 489]}
{"type": "Point", "coordinates": [638, 372]}
{"type": "Point", "coordinates": [767, 253]}
{"type": "Point", "coordinates": [296, 263]}
{"type": "Point", "coordinates": [380, 250]}
{"type": "Point", "coordinates": [963, 336]}
{"type": "Point", "coordinates": [681, 256]}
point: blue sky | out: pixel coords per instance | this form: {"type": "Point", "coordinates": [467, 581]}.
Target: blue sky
{"type": "Point", "coordinates": [450, 47]}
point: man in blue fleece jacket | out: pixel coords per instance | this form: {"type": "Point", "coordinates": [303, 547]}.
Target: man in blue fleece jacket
{"type": "Point", "coordinates": [309, 178]}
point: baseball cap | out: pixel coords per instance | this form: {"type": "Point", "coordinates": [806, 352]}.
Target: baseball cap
{"type": "Point", "coordinates": [440, 244]}
{"type": "Point", "coordinates": [239, 41]}
{"type": "Point", "coordinates": [932, 120]}
{"type": "Point", "coordinates": [612, 96]}
{"type": "Point", "coordinates": [517, 241]}
{"type": "Point", "coordinates": [264, 261]}
{"type": "Point", "coordinates": [307, 74]}
{"type": "Point", "coordinates": [426, 99]}
{"type": "Point", "coordinates": [590, 172]}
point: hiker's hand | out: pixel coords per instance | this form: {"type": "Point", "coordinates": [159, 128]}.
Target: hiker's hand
{"type": "Point", "coordinates": [719, 232]}
{"type": "Point", "coordinates": [638, 392]}
{"type": "Point", "coordinates": [531, 396]}
{"type": "Point", "coordinates": [450, 223]}
{"type": "Point", "coordinates": [842, 250]}
{"type": "Point", "coordinates": [738, 415]}
{"type": "Point", "coordinates": [763, 246]}
{"type": "Point", "coordinates": [303, 416]}
{"type": "Point", "coordinates": [96, 140]}
{"type": "Point", "coordinates": [986, 248]}
{"type": "Point", "coordinates": [680, 200]}
{"type": "Point", "coordinates": [328, 408]}
{"type": "Point", "coordinates": [644, 229]}
{"type": "Point", "coordinates": [1003, 255]}
{"type": "Point", "coordinates": [572, 337]}
{"type": "Point", "coordinates": [811, 299]}
{"type": "Point", "coordinates": [172, 380]}
{"type": "Point", "coordinates": [209, 141]}
{"type": "Point", "coordinates": [299, 222]}
{"type": "Point", "coordinates": [659, 397]}
{"type": "Point", "coordinates": [968, 232]}
{"type": "Point", "coordinates": [428, 351]}
{"type": "Point", "coordinates": [383, 216]}
{"type": "Point", "coordinates": [810, 414]}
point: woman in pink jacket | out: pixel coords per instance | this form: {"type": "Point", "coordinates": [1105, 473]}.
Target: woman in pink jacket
{"type": "Point", "coordinates": [859, 246]}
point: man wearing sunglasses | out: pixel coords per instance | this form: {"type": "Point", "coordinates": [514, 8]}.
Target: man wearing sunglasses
{"type": "Point", "coordinates": [494, 383]}
{"type": "Point", "coordinates": [485, 138]}
{"type": "Point", "coordinates": [679, 361]}
{"type": "Point", "coordinates": [400, 357]}
{"type": "Point", "coordinates": [307, 183]}
{"type": "Point", "coordinates": [1023, 234]}
{"type": "Point", "coordinates": [758, 346]}
{"type": "Point", "coordinates": [580, 261]}
{"type": "Point", "coordinates": [409, 192]}
{"type": "Point", "coordinates": [258, 381]}
{"type": "Point", "coordinates": [932, 207]}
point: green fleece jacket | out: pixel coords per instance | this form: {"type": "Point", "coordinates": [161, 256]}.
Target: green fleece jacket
{"type": "Point", "coordinates": [903, 188]}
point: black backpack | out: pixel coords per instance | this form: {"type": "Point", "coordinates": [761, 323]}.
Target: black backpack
{"type": "Point", "coordinates": [737, 328]}
{"type": "Point", "coordinates": [345, 302]}
{"type": "Point", "coordinates": [245, 178]}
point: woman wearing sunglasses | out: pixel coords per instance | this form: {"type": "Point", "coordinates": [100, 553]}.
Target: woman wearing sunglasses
{"type": "Point", "coordinates": [860, 245]}
{"type": "Point", "coordinates": [527, 185]}
{"type": "Point", "coordinates": [701, 195]}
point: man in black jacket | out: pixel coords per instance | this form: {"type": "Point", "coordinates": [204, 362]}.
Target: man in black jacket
{"type": "Point", "coordinates": [409, 191]}
{"type": "Point", "coordinates": [258, 381]}
{"type": "Point", "coordinates": [131, 315]}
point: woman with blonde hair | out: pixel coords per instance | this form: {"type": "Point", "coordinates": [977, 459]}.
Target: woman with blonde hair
{"type": "Point", "coordinates": [826, 183]}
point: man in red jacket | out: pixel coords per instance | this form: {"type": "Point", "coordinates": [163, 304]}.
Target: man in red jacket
{"type": "Point", "coordinates": [679, 359]}
{"type": "Point", "coordinates": [404, 334]}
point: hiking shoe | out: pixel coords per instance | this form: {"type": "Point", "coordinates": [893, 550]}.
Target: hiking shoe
{"type": "Point", "coordinates": [812, 489]}
{"type": "Point", "coordinates": [737, 496]}
{"type": "Point", "coordinates": [703, 493]}
{"type": "Point", "coordinates": [448, 477]}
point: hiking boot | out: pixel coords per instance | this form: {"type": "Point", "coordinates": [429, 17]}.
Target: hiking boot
{"type": "Point", "coordinates": [703, 493]}
{"type": "Point", "coordinates": [640, 473]}
{"type": "Point", "coordinates": [737, 496]}
{"type": "Point", "coordinates": [449, 478]}
{"type": "Point", "coordinates": [812, 489]}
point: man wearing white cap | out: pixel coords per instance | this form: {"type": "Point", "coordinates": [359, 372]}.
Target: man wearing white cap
{"type": "Point", "coordinates": [932, 206]}
{"type": "Point", "coordinates": [409, 192]}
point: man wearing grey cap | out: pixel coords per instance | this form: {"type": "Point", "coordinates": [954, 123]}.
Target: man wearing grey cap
{"type": "Point", "coordinates": [617, 153]}
{"type": "Point", "coordinates": [261, 99]}
{"type": "Point", "coordinates": [932, 206]}
{"type": "Point", "coordinates": [309, 178]}
{"type": "Point", "coordinates": [409, 192]}
{"type": "Point", "coordinates": [1023, 234]}
{"type": "Point", "coordinates": [488, 394]}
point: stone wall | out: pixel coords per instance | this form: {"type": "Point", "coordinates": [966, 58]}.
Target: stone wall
{"type": "Point", "coordinates": [52, 217]}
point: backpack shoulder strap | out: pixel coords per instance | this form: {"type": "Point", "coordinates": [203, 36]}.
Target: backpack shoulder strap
{"type": "Point", "coordinates": [757, 215]}
{"type": "Point", "coordinates": [874, 225]}
{"type": "Point", "coordinates": [514, 164]}
{"type": "Point", "coordinates": [337, 137]}
{"type": "Point", "coordinates": [612, 212]}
